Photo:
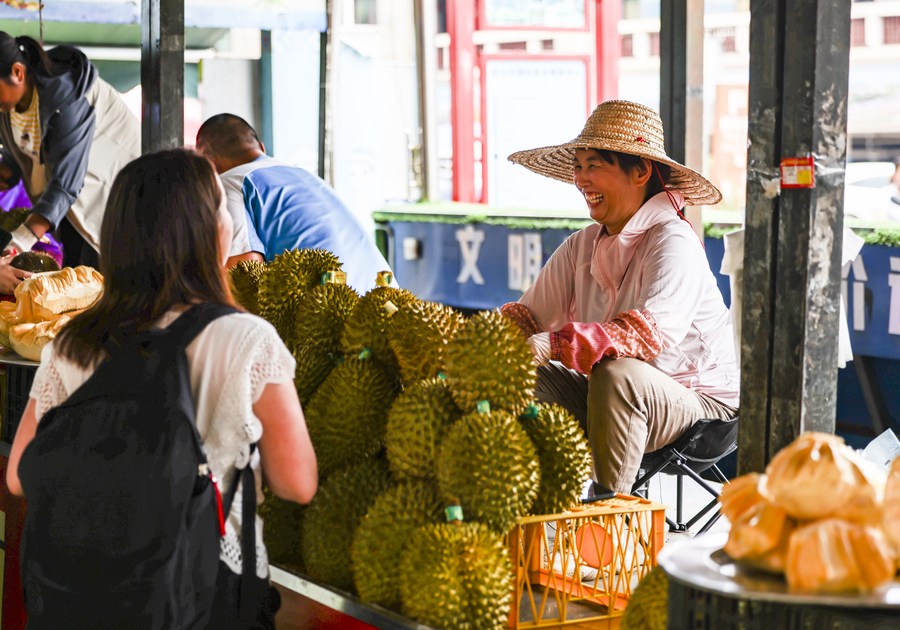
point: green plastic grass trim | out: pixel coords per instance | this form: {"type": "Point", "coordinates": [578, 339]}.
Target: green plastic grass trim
{"type": "Point", "coordinates": [889, 237]}
{"type": "Point", "coordinates": [520, 223]}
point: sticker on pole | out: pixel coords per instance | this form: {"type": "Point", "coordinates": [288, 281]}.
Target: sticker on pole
{"type": "Point", "coordinates": [798, 172]}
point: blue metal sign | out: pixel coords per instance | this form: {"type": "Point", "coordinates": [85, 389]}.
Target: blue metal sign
{"type": "Point", "coordinates": [480, 266]}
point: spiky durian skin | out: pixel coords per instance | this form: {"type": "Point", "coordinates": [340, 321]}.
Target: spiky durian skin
{"type": "Point", "coordinates": [319, 318]}
{"type": "Point", "coordinates": [418, 335]}
{"type": "Point", "coordinates": [564, 455]}
{"type": "Point", "coordinates": [313, 367]}
{"type": "Point", "coordinates": [245, 278]}
{"type": "Point", "coordinates": [347, 415]}
{"type": "Point", "coordinates": [330, 521]}
{"type": "Point", "coordinates": [34, 262]}
{"type": "Point", "coordinates": [13, 218]}
{"type": "Point", "coordinates": [382, 537]}
{"type": "Point", "coordinates": [281, 530]}
{"type": "Point", "coordinates": [490, 465]}
{"type": "Point", "coordinates": [648, 607]}
{"type": "Point", "coordinates": [456, 576]}
{"type": "Point", "coordinates": [488, 359]}
{"type": "Point", "coordinates": [368, 323]}
{"type": "Point", "coordinates": [416, 422]}
{"type": "Point", "coordinates": [290, 275]}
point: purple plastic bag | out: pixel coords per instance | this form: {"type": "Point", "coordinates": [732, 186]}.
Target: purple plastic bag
{"type": "Point", "coordinates": [50, 246]}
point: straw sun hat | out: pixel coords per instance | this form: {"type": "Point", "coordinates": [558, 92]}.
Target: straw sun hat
{"type": "Point", "coordinates": [625, 127]}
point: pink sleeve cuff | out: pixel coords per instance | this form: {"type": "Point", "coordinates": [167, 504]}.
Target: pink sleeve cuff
{"type": "Point", "coordinates": [522, 317]}
{"type": "Point", "coordinates": [579, 346]}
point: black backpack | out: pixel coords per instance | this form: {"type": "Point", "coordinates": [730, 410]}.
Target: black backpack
{"type": "Point", "coordinates": [124, 518]}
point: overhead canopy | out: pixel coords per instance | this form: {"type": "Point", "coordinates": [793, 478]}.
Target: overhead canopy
{"type": "Point", "coordinates": [204, 14]}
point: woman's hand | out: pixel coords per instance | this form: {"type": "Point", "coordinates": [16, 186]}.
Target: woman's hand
{"type": "Point", "coordinates": [10, 277]}
{"type": "Point", "coordinates": [540, 347]}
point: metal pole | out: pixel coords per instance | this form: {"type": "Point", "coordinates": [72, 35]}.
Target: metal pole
{"type": "Point", "coordinates": [425, 18]}
{"type": "Point", "coordinates": [799, 68]}
{"type": "Point", "coordinates": [162, 74]}
{"type": "Point", "coordinates": [681, 86]}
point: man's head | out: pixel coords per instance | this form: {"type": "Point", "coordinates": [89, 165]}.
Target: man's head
{"type": "Point", "coordinates": [228, 141]}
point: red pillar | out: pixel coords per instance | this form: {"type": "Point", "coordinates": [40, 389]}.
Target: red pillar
{"type": "Point", "coordinates": [461, 28]}
{"type": "Point", "coordinates": [607, 14]}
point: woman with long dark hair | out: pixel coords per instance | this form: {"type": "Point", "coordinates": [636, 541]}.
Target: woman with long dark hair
{"type": "Point", "coordinates": [65, 134]}
{"type": "Point", "coordinates": [164, 241]}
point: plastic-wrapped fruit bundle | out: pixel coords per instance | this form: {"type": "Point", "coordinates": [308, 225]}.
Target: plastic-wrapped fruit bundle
{"type": "Point", "coordinates": [818, 514]}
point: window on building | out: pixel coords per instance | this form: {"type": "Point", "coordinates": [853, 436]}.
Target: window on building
{"type": "Point", "coordinates": [364, 11]}
{"type": "Point", "coordinates": [512, 46]}
{"type": "Point", "coordinates": [726, 38]}
{"type": "Point", "coordinates": [627, 45]}
{"type": "Point", "coordinates": [654, 44]}
{"type": "Point", "coordinates": [892, 29]}
{"type": "Point", "coordinates": [858, 32]}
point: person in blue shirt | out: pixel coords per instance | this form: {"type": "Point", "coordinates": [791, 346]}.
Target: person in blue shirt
{"type": "Point", "coordinates": [276, 207]}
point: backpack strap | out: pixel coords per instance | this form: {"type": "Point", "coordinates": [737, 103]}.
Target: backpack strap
{"type": "Point", "coordinates": [246, 479]}
{"type": "Point", "coordinates": [192, 322]}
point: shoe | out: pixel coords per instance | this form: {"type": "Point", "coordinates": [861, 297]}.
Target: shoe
{"type": "Point", "coordinates": [587, 573]}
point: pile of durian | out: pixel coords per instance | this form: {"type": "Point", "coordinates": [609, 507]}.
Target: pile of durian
{"type": "Point", "coordinates": [428, 442]}
{"type": "Point", "coordinates": [821, 515]}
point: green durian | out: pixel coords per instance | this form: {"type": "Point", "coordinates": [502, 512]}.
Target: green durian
{"type": "Point", "coordinates": [418, 335]}
{"type": "Point", "coordinates": [289, 276]}
{"type": "Point", "coordinates": [330, 521]}
{"type": "Point", "coordinates": [648, 607]}
{"type": "Point", "coordinates": [319, 318]}
{"type": "Point", "coordinates": [347, 415]}
{"type": "Point", "coordinates": [456, 576]}
{"type": "Point", "coordinates": [245, 278]}
{"type": "Point", "coordinates": [35, 262]}
{"type": "Point", "coordinates": [281, 530]}
{"type": "Point", "coordinates": [489, 360]}
{"type": "Point", "coordinates": [13, 218]}
{"type": "Point", "coordinates": [383, 535]}
{"type": "Point", "coordinates": [564, 455]}
{"type": "Point", "coordinates": [490, 465]}
{"type": "Point", "coordinates": [416, 422]}
{"type": "Point", "coordinates": [313, 367]}
{"type": "Point", "coordinates": [366, 328]}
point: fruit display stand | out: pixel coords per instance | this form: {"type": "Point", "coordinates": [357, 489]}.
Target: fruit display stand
{"type": "Point", "coordinates": [707, 589]}
{"type": "Point", "coordinates": [617, 541]}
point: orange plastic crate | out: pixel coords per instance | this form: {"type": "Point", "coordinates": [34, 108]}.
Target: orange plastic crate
{"type": "Point", "coordinates": [619, 539]}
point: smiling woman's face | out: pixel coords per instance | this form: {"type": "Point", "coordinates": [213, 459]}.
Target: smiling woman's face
{"type": "Point", "coordinates": [612, 195]}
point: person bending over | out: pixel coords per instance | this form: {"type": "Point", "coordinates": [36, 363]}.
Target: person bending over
{"type": "Point", "coordinates": [276, 207]}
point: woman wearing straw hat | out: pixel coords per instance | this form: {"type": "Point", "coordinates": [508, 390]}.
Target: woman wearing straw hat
{"type": "Point", "coordinates": [625, 318]}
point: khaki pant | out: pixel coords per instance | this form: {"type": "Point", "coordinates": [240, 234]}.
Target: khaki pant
{"type": "Point", "coordinates": [626, 408]}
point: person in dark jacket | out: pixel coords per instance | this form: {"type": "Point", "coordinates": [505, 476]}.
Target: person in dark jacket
{"type": "Point", "coordinates": [66, 133]}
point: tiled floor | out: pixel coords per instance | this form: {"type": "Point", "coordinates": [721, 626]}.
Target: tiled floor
{"type": "Point", "coordinates": [663, 490]}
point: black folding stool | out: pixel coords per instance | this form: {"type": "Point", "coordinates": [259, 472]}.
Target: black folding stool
{"type": "Point", "coordinates": [698, 450]}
